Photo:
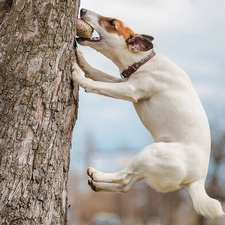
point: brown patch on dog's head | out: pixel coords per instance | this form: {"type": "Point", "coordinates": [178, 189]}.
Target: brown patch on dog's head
{"type": "Point", "coordinates": [115, 26]}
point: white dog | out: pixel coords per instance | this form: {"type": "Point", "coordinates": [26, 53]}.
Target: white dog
{"type": "Point", "coordinates": [167, 105]}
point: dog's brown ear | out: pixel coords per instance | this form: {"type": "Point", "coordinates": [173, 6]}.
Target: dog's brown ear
{"type": "Point", "coordinates": [140, 42]}
{"type": "Point", "coordinates": [148, 37]}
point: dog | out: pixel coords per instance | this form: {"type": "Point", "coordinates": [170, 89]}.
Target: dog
{"type": "Point", "coordinates": [167, 104]}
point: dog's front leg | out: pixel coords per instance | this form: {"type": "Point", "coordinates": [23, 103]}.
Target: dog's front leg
{"type": "Point", "coordinates": [124, 90]}
{"type": "Point", "coordinates": [94, 74]}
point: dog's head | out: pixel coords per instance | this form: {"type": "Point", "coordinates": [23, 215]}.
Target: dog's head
{"type": "Point", "coordinates": [114, 36]}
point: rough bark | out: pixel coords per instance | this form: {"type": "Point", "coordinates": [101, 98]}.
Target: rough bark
{"type": "Point", "coordinates": [37, 109]}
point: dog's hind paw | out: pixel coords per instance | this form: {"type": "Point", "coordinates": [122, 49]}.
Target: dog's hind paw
{"type": "Point", "coordinates": [90, 172]}
{"type": "Point", "coordinates": [94, 174]}
{"type": "Point", "coordinates": [91, 184]}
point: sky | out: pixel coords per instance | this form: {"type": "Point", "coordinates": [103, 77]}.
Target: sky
{"type": "Point", "coordinates": [189, 32]}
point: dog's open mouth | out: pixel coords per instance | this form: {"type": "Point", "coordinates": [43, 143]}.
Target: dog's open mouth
{"type": "Point", "coordinates": [85, 32]}
{"type": "Point", "coordinates": [93, 38]}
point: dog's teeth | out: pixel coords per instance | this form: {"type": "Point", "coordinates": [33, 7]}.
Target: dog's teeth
{"type": "Point", "coordinates": [95, 38]}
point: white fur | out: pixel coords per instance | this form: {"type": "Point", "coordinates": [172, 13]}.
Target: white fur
{"type": "Point", "coordinates": [169, 108]}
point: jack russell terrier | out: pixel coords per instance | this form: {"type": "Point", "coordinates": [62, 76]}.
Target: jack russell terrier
{"type": "Point", "coordinates": [167, 104]}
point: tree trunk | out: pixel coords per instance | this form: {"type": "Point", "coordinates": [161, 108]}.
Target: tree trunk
{"type": "Point", "coordinates": [37, 109]}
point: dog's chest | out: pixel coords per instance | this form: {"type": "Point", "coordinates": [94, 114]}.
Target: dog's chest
{"type": "Point", "coordinates": [146, 112]}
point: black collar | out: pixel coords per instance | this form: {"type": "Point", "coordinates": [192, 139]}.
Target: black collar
{"type": "Point", "coordinates": [133, 68]}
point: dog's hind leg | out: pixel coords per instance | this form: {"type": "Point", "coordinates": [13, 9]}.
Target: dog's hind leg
{"type": "Point", "coordinates": [156, 165]}
{"type": "Point", "coordinates": [123, 186]}
{"type": "Point", "coordinates": [121, 181]}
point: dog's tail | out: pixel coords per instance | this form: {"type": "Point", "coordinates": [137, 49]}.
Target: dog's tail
{"type": "Point", "coordinates": [203, 204]}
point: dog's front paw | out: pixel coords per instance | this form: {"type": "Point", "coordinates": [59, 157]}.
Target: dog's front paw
{"type": "Point", "coordinates": [83, 64]}
{"type": "Point", "coordinates": [79, 53]}
{"type": "Point", "coordinates": [75, 68]}
{"type": "Point", "coordinates": [76, 75]}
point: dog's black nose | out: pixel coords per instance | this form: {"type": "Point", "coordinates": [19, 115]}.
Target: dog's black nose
{"type": "Point", "coordinates": [83, 11]}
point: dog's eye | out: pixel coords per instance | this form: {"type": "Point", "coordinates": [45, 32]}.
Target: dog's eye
{"type": "Point", "coordinates": [111, 22]}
